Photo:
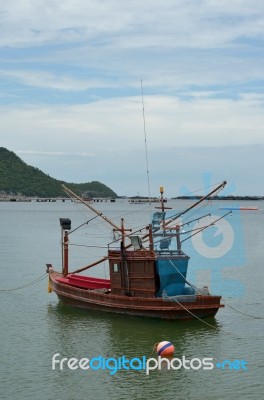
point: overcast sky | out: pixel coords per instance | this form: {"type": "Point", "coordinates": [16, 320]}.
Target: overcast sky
{"type": "Point", "coordinates": [71, 104]}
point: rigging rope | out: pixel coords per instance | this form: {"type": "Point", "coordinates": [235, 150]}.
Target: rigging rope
{"type": "Point", "coordinates": [241, 312]}
{"type": "Point", "coordinates": [186, 309]}
{"type": "Point", "coordinates": [87, 245]}
{"type": "Point", "coordinates": [188, 283]}
{"type": "Point", "coordinates": [26, 284]}
{"type": "Point", "coordinates": [84, 223]}
{"type": "Point", "coordinates": [204, 188]}
{"type": "Point", "coordinates": [225, 303]}
{"type": "Point", "coordinates": [194, 287]}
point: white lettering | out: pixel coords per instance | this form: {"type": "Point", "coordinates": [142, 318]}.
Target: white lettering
{"type": "Point", "coordinates": [177, 366]}
{"type": "Point", "coordinates": [149, 367]}
{"type": "Point", "coordinates": [193, 360]}
{"type": "Point", "coordinates": [84, 363]}
{"type": "Point", "coordinates": [72, 363]}
{"type": "Point", "coordinates": [54, 361]}
{"type": "Point", "coordinates": [207, 362]}
{"type": "Point", "coordinates": [185, 362]}
{"type": "Point", "coordinates": [166, 360]}
{"type": "Point", "coordinates": [62, 361]}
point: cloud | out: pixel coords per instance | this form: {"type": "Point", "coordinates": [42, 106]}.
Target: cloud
{"type": "Point", "coordinates": [117, 124]}
{"type": "Point", "coordinates": [203, 24]}
{"type": "Point", "coordinates": [71, 98]}
{"type": "Point", "coordinates": [104, 141]}
{"type": "Point", "coordinates": [50, 80]}
{"type": "Point", "coordinates": [95, 48]}
{"type": "Point", "coordinates": [52, 153]}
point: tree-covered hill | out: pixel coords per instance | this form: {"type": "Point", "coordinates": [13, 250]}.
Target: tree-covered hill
{"type": "Point", "coordinates": [19, 178]}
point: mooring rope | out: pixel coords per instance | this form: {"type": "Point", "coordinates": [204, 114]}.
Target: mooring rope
{"type": "Point", "coordinates": [26, 284]}
{"type": "Point", "coordinates": [224, 302]}
{"type": "Point", "coordinates": [186, 309]}
{"type": "Point", "coordinates": [241, 312]}
{"type": "Point", "coordinates": [200, 319]}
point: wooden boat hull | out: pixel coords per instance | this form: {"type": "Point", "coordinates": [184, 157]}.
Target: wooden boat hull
{"type": "Point", "coordinates": [103, 300]}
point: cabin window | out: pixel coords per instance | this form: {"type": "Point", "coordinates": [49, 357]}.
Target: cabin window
{"type": "Point", "coordinates": [116, 267]}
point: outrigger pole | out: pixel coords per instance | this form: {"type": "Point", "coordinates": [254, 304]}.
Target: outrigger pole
{"type": "Point", "coordinates": [221, 186]}
{"type": "Point", "coordinates": [165, 224]}
{"type": "Point", "coordinates": [71, 193]}
{"type": "Point", "coordinates": [101, 215]}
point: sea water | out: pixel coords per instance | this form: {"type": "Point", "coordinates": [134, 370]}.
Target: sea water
{"type": "Point", "coordinates": [35, 325]}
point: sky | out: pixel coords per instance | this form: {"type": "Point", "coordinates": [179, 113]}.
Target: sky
{"type": "Point", "coordinates": [76, 76]}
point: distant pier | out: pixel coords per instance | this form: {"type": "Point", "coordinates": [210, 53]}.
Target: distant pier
{"type": "Point", "coordinates": [21, 199]}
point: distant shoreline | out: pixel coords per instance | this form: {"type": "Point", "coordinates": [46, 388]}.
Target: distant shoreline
{"type": "Point", "coordinates": [219, 198]}
{"type": "Point", "coordinates": [196, 198]}
{"type": "Point", "coordinates": [132, 200]}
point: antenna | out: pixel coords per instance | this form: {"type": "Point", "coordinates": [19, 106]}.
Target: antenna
{"type": "Point", "coordinates": [145, 135]}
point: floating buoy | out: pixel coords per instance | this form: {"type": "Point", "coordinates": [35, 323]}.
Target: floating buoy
{"type": "Point", "coordinates": [165, 349]}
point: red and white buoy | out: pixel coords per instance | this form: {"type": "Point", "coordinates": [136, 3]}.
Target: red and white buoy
{"type": "Point", "coordinates": [165, 349]}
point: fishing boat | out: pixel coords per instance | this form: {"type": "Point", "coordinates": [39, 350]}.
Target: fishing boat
{"type": "Point", "coordinates": [147, 270]}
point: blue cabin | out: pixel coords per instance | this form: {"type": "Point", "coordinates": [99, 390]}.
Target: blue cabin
{"type": "Point", "coordinates": [171, 261]}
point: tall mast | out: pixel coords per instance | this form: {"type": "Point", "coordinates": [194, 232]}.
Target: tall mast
{"type": "Point", "coordinates": [145, 136]}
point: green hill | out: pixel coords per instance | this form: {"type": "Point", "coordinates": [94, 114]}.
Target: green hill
{"type": "Point", "coordinates": [19, 178]}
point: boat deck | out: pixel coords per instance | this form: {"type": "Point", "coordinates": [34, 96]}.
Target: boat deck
{"type": "Point", "coordinates": [84, 282]}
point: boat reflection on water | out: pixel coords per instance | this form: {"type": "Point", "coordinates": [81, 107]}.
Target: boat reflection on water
{"type": "Point", "coordinates": [113, 336]}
